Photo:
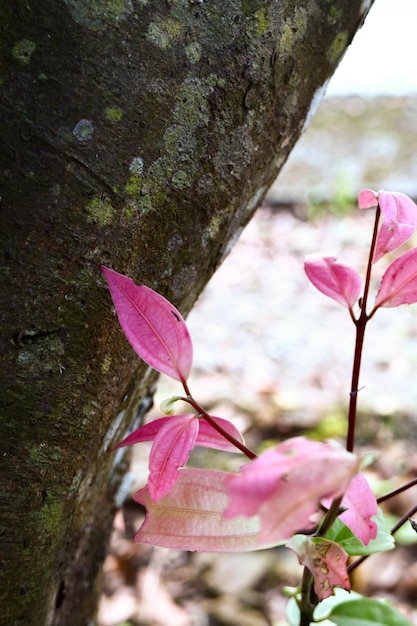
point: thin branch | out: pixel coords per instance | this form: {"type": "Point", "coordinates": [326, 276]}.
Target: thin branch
{"type": "Point", "coordinates": [238, 444]}
{"type": "Point", "coordinates": [395, 492]}
{"type": "Point", "coordinates": [360, 324]}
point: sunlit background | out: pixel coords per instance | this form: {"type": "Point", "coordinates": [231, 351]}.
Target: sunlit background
{"type": "Point", "coordinates": [382, 57]}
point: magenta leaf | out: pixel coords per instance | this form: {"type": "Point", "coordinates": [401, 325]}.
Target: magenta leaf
{"type": "Point", "coordinates": [207, 436]}
{"type": "Point", "coordinates": [173, 439]}
{"type": "Point", "coordinates": [399, 222]}
{"type": "Point", "coordinates": [338, 281]}
{"type": "Point", "coordinates": [210, 438]}
{"type": "Point", "coordinates": [326, 561]}
{"type": "Point", "coordinates": [190, 516]}
{"type": "Point", "coordinates": [285, 485]}
{"type": "Point", "coordinates": [147, 432]}
{"type": "Point", "coordinates": [399, 282]}
{"type": "Point", "coordinates": [170, 451]}
{"type": "Point", "coordinates": [153, 326]}
{"type": "Point", "coordinates": [361, 505]}
{"type": "Point", "coordinates": [399, 215]}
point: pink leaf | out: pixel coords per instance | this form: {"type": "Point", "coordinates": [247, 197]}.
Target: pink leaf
{"type": "Point", "coordinates": [210, 438]}
{"type": "Point", "coordinates": [147, 432]}
{"type": "Point", "coordinates": [153, 326]}
{"type": "Point", "coordinates": [207, 436]}
{"type": "Point", "coordinates": [285, 485]}
{"type": "Point", "coordinates": [326, 561]}
{"type": "Point", "coordinates": [190, 516]}
{"type": "Point", "coordinates": [399, 215]}
{"type": "Point", "coordinates": [399, 282]}
{"type": "Point", "coordinates": [170, 451]}
{"type": "Point", "coordinates": [399, 218]}
{"type": "Point", "coordinates": [399, 222]}
{"type": "Point", "coordinates": [338, 281]}
{"type": "Point", "coordinates": [360, 504]}
{"type": "Point", "coordinates": [367, 199]}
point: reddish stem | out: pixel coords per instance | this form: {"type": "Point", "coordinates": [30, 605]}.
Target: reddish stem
{"type": "Point", "coordinates": [238, 444]}
{"type": "Point", "coordinates": [360, 324]}
{"type": "Point", "coordinates": [395, 492]}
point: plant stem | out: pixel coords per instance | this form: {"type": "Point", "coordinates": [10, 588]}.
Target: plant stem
{"type": "Point", "coordinates": [360, 324]}
{"type": "Point", "coordinates": [395, 492]}
{"type": "Point", "coordinates": [404, 519]}
{"type": "Point", "coordinates": [308, 599]}
{"type": "Point", "coordinates": [330, 517]}
{"type": "Point", "coordinates": [238, 444]}
{"type": "Point", "coordinates": [354, 386]}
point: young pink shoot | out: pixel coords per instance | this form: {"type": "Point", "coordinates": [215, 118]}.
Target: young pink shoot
{"type": "Point", "coordinates": [173, 439]}
{"type": "Point", "coordinates": [326, 561]}
{"type": "Point", "coordinates": [399, 215]}
{"type": "Point", "coordinates": [397, 287]}
{"type": "Point", "coordinates": [284, 485]}
{"type": "Point", "coordinates": [152, 325]}
{"type": "Point", "coordinates": [190, 516]}
{"type": "Point", "coordinates": [342, 283]}
{"type": "Point", "coordinates": [338, 281]}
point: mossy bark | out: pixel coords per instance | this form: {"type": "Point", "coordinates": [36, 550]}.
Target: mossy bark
{"type": "Point", "coordinates": [141, 135]}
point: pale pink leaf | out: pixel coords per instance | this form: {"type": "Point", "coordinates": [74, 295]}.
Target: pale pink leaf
{"type": "Point", "coordinates": [170, 451]}
{"type": "Point", "coordinates": [399, 282]}
{"type": "Point", "coordinates": [190, 516]}
{"type": "Point", "coordinates": [399, 222]}
{"type": "Point", "coordinates": [326, 561]}
{"type": "Point", "coordinates": [147, 432]}
{"type": "Point", "coordinates": [367, 199]}
{"type": "Point", "coordinates": [153, 326]}
{"type": "Point", "coordinates": [258, 480]}
{"type": "Point", "coordinates": [361, 505]}
{"type": "Point", "coordinates": [284, 486]}
{"type": "Point", "coordinates": [334, 279]}
{"type": "Point", "coordinates": [210, 438]}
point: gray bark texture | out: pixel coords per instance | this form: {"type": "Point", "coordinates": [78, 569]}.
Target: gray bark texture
{"type": "Point", "coordinates": [141, 135]}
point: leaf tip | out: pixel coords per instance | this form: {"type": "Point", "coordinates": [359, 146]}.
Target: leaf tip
{"type": "Point", "coordinates": [367, 198]}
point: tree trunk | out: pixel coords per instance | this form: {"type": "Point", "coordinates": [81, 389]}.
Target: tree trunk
{"type": "Point", "coordinates": [141, 135]}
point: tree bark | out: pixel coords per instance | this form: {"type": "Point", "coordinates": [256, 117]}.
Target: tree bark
{"type": "Point", "coordinates": [141, 135]}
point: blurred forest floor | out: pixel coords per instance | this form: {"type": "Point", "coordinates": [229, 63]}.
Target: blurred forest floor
{"type": "Point", "coordinates": [274, 356]}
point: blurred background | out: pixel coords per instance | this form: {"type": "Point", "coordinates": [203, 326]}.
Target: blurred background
{"type": "Point", "coordinates": [274, 356]}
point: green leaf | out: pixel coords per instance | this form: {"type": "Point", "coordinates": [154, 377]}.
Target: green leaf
{"type": "Point", "coordinates": [293, 612]}
{"type": "Point", "coordinates": [325, 607]}
{"type": "Point", "coordinates": [342, 535]}
{"type": "Point", "coordinates": [367, 612]}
